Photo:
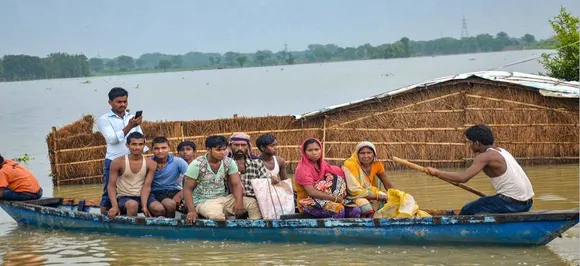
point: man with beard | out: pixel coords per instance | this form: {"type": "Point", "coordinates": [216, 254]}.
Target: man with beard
{"type": "Point", "coordinates": [249, 168]}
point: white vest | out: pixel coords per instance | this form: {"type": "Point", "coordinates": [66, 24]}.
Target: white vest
{"type": "Point", "coordinates": [514, 183]}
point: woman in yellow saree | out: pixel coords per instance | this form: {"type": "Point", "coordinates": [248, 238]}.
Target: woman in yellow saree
{"type": "Point", "coordinates": [366, 179]}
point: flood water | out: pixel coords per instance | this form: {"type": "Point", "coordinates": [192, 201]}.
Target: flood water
{"type": "Point", "coordinates": [35, 106]}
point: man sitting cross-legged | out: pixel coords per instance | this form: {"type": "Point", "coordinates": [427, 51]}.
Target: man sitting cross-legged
{"type": "Point", "coordinates": [206, 185]}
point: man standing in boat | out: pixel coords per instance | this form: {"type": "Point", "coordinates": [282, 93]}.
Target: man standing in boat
{"type": "Point", "coordinates": [513, 187]}
{"type": "Point", "coordinates": [206, 185]}
{"type": "Point", "coordinates": [168, 179]}
{"type": "Point", "coordinates": [275, 165]}
{"type": "Point", "coordinates": [115, 126]}
{"type": "Point", "coordinates": [130, 179]}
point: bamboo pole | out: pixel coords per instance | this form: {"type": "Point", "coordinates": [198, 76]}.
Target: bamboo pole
{"type": "Point", "coordinates": [55, 150]}
{"type": "Point", "coordinates": [516, 102]}
{"type": "Point", "coordinates": [395, 109]}
{"type": "Point", "coordinates": [540, 158]}
{"type": "Point", "coordinates": [416, 160]}
{"type": "Point", "coordinates": [181, 131]}
{"type": "Point", "coordinates": [402, 143]}
{"type": "Point", "coordinates": [398, 129]}
{"type": "Point", "coordinates": [429, 111]}
{"type": "Point", "coordinates": [424, 170]}
{"type": "Point", "coordinates": [465, 104]}
{"type": "Point", "coordinates": [324, 135]}
{"type": "Point", "coordinates": [526, 125]}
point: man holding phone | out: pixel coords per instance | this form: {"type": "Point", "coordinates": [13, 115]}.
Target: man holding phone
{"type": "Point", "coordinates": [115, 126]}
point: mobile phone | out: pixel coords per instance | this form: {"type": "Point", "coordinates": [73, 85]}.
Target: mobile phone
{"type": "Point", "coordinates": [138, 114]}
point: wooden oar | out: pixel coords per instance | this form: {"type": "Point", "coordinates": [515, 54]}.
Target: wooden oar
{"type": "Point", "coordinates": [424, 170]}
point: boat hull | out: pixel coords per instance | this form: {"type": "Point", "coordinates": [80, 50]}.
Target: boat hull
{"type": "Point", "coordinates": [506, 230]}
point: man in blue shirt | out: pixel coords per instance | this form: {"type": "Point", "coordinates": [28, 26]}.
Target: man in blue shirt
{"type": "Point", "coordinates": [115, 126]}
{"type": "Point", "coordinates": [168, 180]}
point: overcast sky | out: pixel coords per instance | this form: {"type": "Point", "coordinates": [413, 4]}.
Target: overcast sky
{"type": "Point", "coordinates": [133, 27]}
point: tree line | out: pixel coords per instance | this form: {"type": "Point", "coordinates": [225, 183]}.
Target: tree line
{"type": "Point", "coordinates": [63, 65]}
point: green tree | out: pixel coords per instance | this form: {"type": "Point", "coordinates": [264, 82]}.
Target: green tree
{"type": "Point", "coordinates": [96, 64]}
{"type": "Point", "coordinates": [111, 64]}
{"type": "Point", "coordinates": [140, 62]}
{"type": "Point", "coordinates": [230, 57]}
{"type": "Point", "coordinates": [242, 60]}
{"type": "Point", "coordinates": [564, 63]}
{"type": "Point", "coordinates": [262, 55]}
{"type": "Point", "coordinates": [164, 64]}
{"type": "Point", "coordinates": [528, 38]}
{"type": "Point", "coordinates": [176, 61]}
{"type": "Point", "coordinates": [290, 59]}
{"type": "Point", "coordinates": [125, 62]}
{"type": "Point", "coordinates": [211, 60]}
{"type": "Point", "coordinates": [406, 48]}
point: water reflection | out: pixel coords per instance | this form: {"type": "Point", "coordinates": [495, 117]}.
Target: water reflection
{"type": "Point", "coordinates": [556, 187]}
{"type": "Point", "coordinates": [28, 246]}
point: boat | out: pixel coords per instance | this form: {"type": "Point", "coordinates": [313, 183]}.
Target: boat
{"type": "Point", "coordinates": [444, 227]}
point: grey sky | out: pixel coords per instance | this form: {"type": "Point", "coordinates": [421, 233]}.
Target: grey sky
{"type": "Point", "coordinates": [134, 27]}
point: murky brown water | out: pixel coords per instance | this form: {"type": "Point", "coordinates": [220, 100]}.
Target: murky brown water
{"type": "Point", "coordinates": [35, 106]}
{"type": "Point", "coordinates": [556, 187]}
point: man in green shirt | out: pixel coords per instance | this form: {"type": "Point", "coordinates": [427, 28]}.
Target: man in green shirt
{"type": "Point", "coordinates": [212, 177]}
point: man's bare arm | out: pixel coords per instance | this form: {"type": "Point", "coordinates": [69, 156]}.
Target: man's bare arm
{"type": "Point", "coordinates": [282, 165]}
{"type": "Point", "coordinates": [146, 189]}
{"type": "Point", "coordinates": [479, 162]}
{"type": "Point", "coordinates": [112, 186]}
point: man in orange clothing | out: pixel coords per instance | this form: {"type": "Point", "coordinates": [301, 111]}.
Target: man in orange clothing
{"type": "Point", "coordinates": [16, 182]}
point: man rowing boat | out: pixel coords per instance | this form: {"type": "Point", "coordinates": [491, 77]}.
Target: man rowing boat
{"type": "Point", "coordinates": [514, 190]}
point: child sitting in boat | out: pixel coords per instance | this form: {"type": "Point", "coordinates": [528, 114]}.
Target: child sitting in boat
{"type": "Point", "coordinates": [16, 182]}
{"type": "Point", "coordinates": [514, 190]}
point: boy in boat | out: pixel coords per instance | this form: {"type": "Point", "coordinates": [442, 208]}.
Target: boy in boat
{"type": "Point", "coordinates": [130, 179]}
{"type": "Point", "coordinates": [17, 183]}
{"type": "Point", "coordinates": [275, 165]}
{"type": "Point", "coordinates": [168, 179]}
{"type": "Point", "coordinates": [514, 190]}
{"type": "Point", "coordinates": [208, 176]}
{"type": "Point", "coordinates": [115, 125]}
{"type": "Point", "coordinates": [186, 150]}
{"type": "Point", "coordinates": [240, 147]}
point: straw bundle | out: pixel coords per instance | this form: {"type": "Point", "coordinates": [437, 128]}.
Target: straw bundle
{"type": "Point", "coordinates": [425, 125]}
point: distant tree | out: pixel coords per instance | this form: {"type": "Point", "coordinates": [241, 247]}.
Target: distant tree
{"type": "Point", "coordinates": [125, 62]}
{"type": "Point", "coordinates": [212, 60]}
{"type": "Point", "coordinates": [242, 60]}
{"type": "Point", "coordinates": [111, 64]}
{"type": "Point", "coordinates": [528, 38]}
{"type": "Point", "coordinates": [140, 62]}
{"type": "Point", "coordinates": [96, 64]}
{"type": "Point", "coordinates": [218, 60]}
{"type": "Point", "coordinates": [230, 57]}
{"type": "Point", "coordinates": [406, 48]}
{"type": "Point", "coordinates": [176, 61]}
{"type": "Point", "coordinates": [564, 63]}
{"type": "Point", "coordinates": [164, 64]}
{"type": "Point", "coordinates": [290, 59]}
{"type": "Point", "coordinates": [262, 55]}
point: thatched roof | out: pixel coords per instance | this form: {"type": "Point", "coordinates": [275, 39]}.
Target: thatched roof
{"type": "Point", "coordinates": [549, 87]}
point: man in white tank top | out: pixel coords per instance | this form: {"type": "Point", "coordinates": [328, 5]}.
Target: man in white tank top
{"type": "Point", "coordinates": [130, 181]}
{"type": "Point", "coordinates": [513, 187]}
{"type": "Point", "coordinates": [275, 165]}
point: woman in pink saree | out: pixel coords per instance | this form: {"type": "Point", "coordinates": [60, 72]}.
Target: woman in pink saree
{"type": "Point", "coordinates": [321, 187]}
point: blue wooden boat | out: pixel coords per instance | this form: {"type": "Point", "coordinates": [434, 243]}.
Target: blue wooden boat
{"type": "Point", "coordinates": [444, 227]}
